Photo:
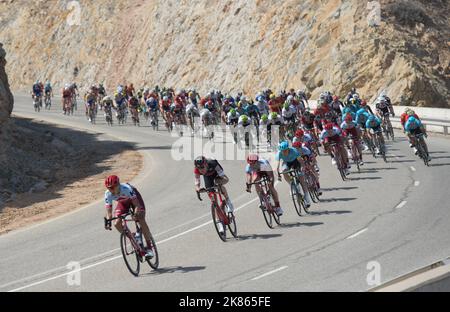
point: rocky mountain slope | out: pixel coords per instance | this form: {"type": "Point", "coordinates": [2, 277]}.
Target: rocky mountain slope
{"type": "Point", "coordinates": [235, 45]}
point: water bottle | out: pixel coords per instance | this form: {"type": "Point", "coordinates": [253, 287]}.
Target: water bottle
{"type": "Point", "coordinates": [138, 238]}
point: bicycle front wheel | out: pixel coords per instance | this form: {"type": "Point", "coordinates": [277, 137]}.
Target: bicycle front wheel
{"type": "Point", "coordinates": [265, 208]}
{"type": "Point", "coordinates": [297, 198]}
{"type": "Point", "coordinates": [218, 224]}
{"type": "Point", "coordinates": [154, 261]}
{"type": "Point", "coordinates": [232, 224]}
{"type": "Point", "coordinates": [130, 254]}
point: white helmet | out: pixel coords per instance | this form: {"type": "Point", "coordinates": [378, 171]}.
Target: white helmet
{"type": "Point", "coordinates": [289, 98]}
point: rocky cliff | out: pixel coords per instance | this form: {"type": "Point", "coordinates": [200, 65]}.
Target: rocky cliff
{"type": "Point", "coordinates": [400, 46]}
{"type": "Point", "coordinates": [6, 98]}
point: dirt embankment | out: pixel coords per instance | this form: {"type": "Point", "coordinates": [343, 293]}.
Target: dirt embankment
{"type": "Point", "coordinates": [51, 170]}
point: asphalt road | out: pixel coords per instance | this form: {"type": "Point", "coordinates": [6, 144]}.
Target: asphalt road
{"type": "Point", "coordinates": [392, 216]}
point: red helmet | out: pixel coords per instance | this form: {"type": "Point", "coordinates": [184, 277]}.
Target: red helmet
{"type": "Point", "coordinates": [297, 144]}
{"type": "Point", "coordinates": [335, 98]}
{"type": "Point", "coordinates": [328, 126]}
{"type": "Point", "coordinates": [363, 103]}
{"type": "Point", "coordinates": [299, 133]}
{"type": "Point", "coordinates": [348, 118]}
{"type": "Point", "coordinates": [112, 181]}
{"type": "Point", "coordinates": [252, 158]}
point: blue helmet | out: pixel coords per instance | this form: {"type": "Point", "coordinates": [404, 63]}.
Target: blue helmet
{"type": "Point", "coordinates": [412, 119]}
{"type": "Point", "coordinates": [283, 146]}
{"type": "Point", "coordinates": [371, 118]}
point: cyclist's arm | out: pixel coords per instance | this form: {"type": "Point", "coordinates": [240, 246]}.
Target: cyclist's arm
{"type": "Point", "coordinates": [197, 182]}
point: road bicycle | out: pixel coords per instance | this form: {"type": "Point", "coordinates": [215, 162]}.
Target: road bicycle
{"type": "Point", "coordinates": [421, 150]}
{"type": "Point", "coordinates": [338, 157]}
{"type": "Point", "coordinates": [131, 244]}
{"type": "Point", "coordinates": [355, 152]}
{"type": "Point", "coordinates": [296, 190]}
{"type": "Point", "coordinates": [221, 218]}
{"type": "Point", "coordinates": [266, 202]}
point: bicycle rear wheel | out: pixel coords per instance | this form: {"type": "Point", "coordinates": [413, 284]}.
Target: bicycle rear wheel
{"type": "Point", "coordinates": [154, 261]}
{"type": "Point", "coordinates": [130, 254]}
{"type": "Point", "coordinates": [232, 224]}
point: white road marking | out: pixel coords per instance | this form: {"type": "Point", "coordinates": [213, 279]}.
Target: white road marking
{"type": "Point", "coordinates": [416, 183]}
{"type": "Point", "coordinates": [268, 273]}
{"type": "Point", "coordinates": [120, 256]}
{"type": "Point", "coordinates": [412, 168]}
{"type": "Point", "coordinates": [403, 203]}
{"type": "Point", "coordinates": [357, 233]}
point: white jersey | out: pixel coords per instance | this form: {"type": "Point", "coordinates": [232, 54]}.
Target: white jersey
{"type": "Point", "coordinates": [191, 108]}
{"type": "Point", "coordinates": [288, 113]}
{"type": "Point", "coordinates": [241, 121]}
{"type": "Point", "coordinates": [231, 118]}
{"type": "Point", "coordinates": [273, 121]}
{"type": "Point", "coordinates": [262, 107]}
{"type": "Point", "coordinates": [205, 113]}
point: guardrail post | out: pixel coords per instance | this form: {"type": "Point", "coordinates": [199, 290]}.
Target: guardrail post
{"type": "Point", "coordinates": [445, 130]}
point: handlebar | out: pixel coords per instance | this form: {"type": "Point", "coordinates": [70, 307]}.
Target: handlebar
{"type": "Point", "coordinates": [206, 190]}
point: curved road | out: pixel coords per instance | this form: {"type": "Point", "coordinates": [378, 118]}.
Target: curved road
{"type": "Point", "coordinates": [396, 214]}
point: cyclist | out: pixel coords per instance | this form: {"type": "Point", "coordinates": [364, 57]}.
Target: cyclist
{"type": "Point", "coordinates": [309, 160]}
{"type": "Point", "coordinates": [373, 123]}
{"type": "Point", "coordinates": [350, 128]}
{"type": "Point", "coordinates": [306, 140]}
{"type": "Point", "coordinates": [292, 159]}
{"type": "Point", "coordinates": [48, 89]}
{"type": "Point", "coordinates": [336, 105]}
{"type": "Point", "coordinates": [213, 174]}
{"type": "Point", "coordinates": [67, 97]}
{"type": "Point", "coordinates": [332, 134]}
{"type": "Point", "coordinates": [127, 197]}
{"type": "Point", "coordinates": [206, 116]}
{"type": "Point", "coordinates": [36, 89]}
{"type": "Point", "coordinates": [414, 127]}
{"type": "Point", "coordinates": [255, 170]}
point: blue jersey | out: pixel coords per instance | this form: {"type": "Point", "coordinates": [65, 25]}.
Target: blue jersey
{"type": "Point", "coordinates": [412, 124]}
{"type": "Point", "coordinates": [37, 89]}
{"type": "Point", "coordinates": [291, 156]}
{"type": "Point", "coordinates": [375, 123]}
{"type": "Point", "coordinates": [362, 116]}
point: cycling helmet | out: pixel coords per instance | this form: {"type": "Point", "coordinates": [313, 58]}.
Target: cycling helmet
{"type": "Point", "coordinates": [272, 96]}
{"type": "Point", "coordinates": [244, 118]}
{"type": "Point", "coordinates": [299, 133]}
{"type": "Point", "coordinates": [286, 106]}
{"type": "Point", "coordinates": [297, 144]}
{"type": "Point", "coordinates": [252, 158]}
{"type": "Point", "coordinates": [363, 103]}
{"type": "Point", "coordinates": [165, 98]}
{"type": "Point", "coordinates": [411, 112]}
{"type": "Point", "coordinates": [232, 111]}
{"type": "Point", "coordinates": [371, 118]}
{"type": "Point", "coordinates": [112, 181]}
{"type": "Point", "coordinates": [335, 98]}
{"type": "Point", "coordinates": [356, 96]}
{"type": "Point", "coordinates": [289, 98]}
{"type": "Point", "coordinates": [264, 117]}
{"type": "Point", "coordinates": [274, 115]}
{"type": "Point", "coordinates": [412, 119]}
{"type": "Point", "coordinates": [328, 126]}
{"type": "Point", "coordinates": [348, 118]}
{"type": "Point", "coordinates": [283, 146]}
{"type": "Point", "coordinates": [200, 161]}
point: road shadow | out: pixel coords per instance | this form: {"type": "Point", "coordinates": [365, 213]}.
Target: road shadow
{"type": "Point", "coordinates": [440, 157]}
{"type": "Point", "coordinates": [329, 212]}
{"type": "Point", "coordinates": [297, 224]}
{"type": "Point", "coordinates": [376, 169]}
{"type": "Point", "coordinates": [397, 156]}
{"type": "Point", "coordinates": [402, 161]}
{"type": "Point", "coordinates": [176, 269]}
{"type": "Point", "coordinates": [48, 158]}
{"type": "Point", "coordinates": [329, 200]}
{"type": "Point", "coordinates": [365, 178]}
{"type": "Point", "coordinates": [258, 236]}
{"type": "Point", "coordinates": [340, 188]}
{"type": "Point", "coordinates": [438, 165]}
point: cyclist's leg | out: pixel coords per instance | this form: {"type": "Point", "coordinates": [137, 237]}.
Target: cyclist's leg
{"type": "Point", "coordinates": [123, 206]}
